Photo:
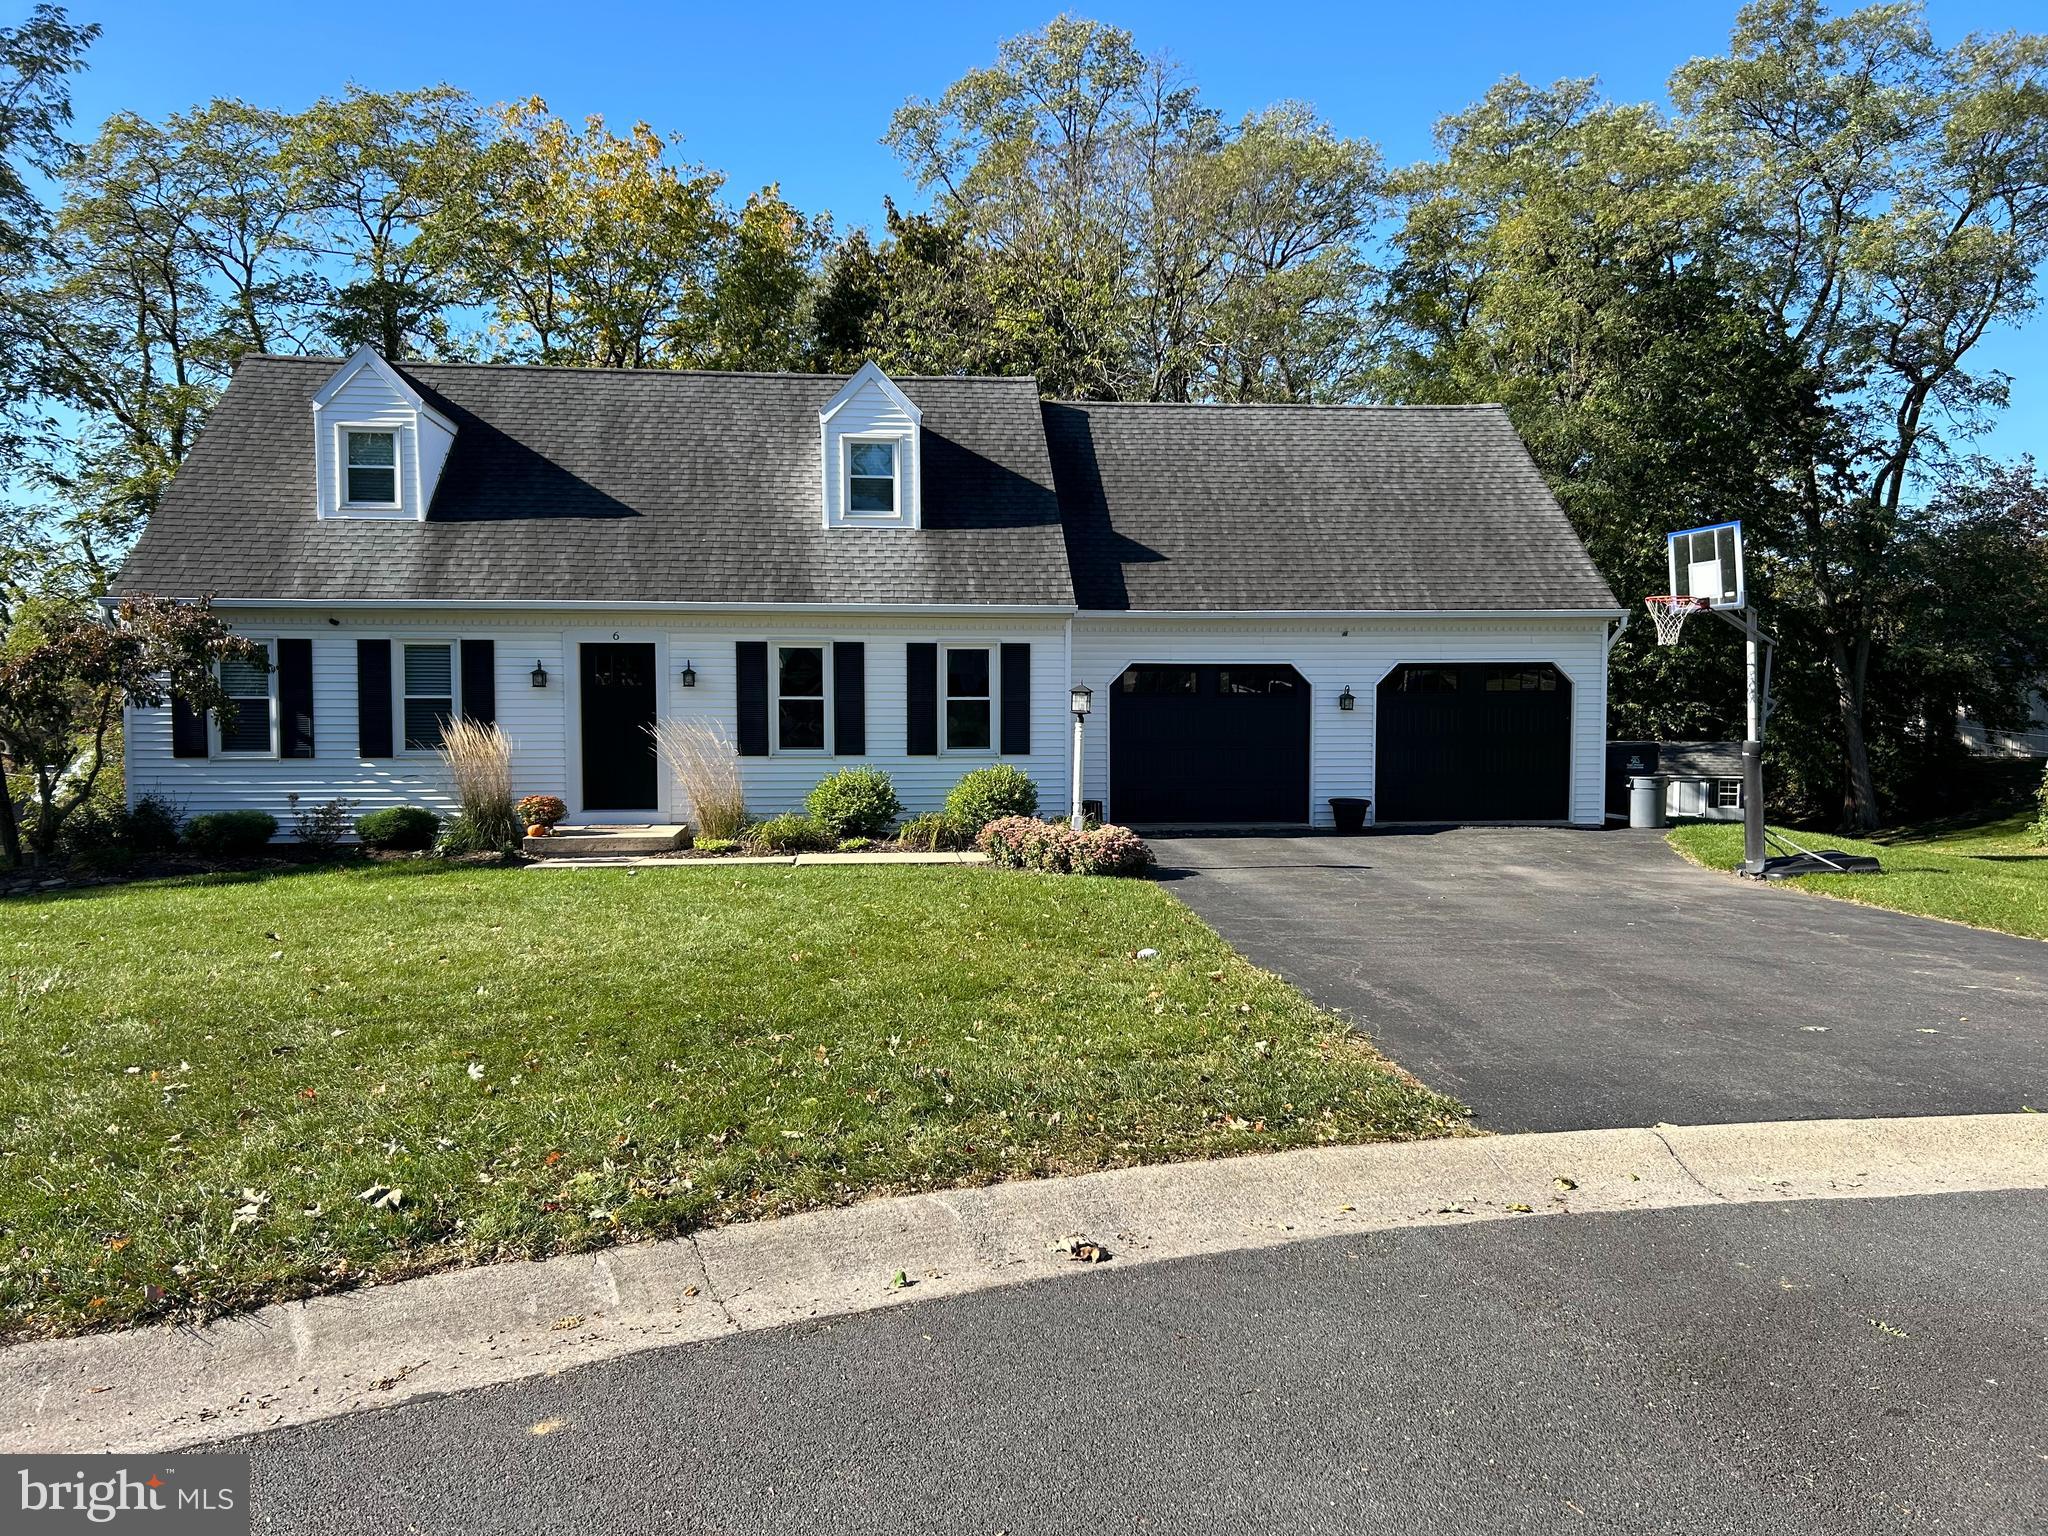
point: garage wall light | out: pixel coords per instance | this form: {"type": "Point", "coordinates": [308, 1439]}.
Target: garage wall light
{"type": "Point", "coordinates": [540, 675]}
{"type": "Point", "coordinates": [689, 678]}
{"type": "Point", "coordinates": [1346, 701]}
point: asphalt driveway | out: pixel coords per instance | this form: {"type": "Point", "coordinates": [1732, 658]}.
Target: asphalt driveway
{"type": "Point", "coordinates": [1557, 979]}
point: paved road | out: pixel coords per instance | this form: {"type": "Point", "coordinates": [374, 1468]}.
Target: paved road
{"type": "Point", "coordinates": [1561, 980]}
{"type": "Point", "coordinates": [1841, 1367]}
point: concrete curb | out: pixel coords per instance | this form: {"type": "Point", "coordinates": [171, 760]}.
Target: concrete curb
{"type": "Point", "coordinates": [157, 1388]}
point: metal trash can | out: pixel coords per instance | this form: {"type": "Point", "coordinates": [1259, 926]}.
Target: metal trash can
{"type": "Point", "coordinates": [1646, 800]}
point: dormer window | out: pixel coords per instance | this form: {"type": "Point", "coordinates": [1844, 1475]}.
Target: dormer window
{"type": "Point", "coordinates": [870, 478]}
{"type": "Point", "coordinates": [372, 469]}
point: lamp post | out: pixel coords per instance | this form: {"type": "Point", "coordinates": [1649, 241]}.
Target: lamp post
{"type": "Point", "coordinates": [1082, 697]}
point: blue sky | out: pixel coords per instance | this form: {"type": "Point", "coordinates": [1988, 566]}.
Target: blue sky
{"type": "Point", "coordinates": [784, 91]}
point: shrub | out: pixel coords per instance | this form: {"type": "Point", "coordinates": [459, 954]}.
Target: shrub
{"type": "Point", "coordinates": [855, 844]}
{"type": "Point", "coordinates": [320, 828]}
{"type": "Point", "coordinates": [1111, 850]}
{"type": "Point", "coordinates": [411, 828]}
{"type": "Point", "coordinates": [230, 834]}
{"type": "Point", "coordinates": [987, 794]}
{"type": "Point", "coordinates": [1025, 842]}
{"type": "Point", "coordinates": [2041, 821]}
{"type": "Point", "coordinates": [541, 810]}
{"type": "Point", "coordinates": [787, 833]}
{"type": "Point", "coordinates": [701, 756]}
{"type": "Point", "coordinates": [479, 759]}
{"type": "Point", "coordinates": [715, 844]}
{"type": "Point", "coordinates": [1054, 848]}
{"type": "Point", "coordinates": [855, 802]}
{"type": "Point", "coordinates": [929, 833]}
{"type": "Point", "coordinates": [151, 825]}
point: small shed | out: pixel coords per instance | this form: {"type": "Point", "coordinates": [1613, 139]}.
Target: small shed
{"type": "Point", "coordinates": [1703, 779]}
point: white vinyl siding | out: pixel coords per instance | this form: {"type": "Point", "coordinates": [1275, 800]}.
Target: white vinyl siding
{"type": "Point", "coordinates": [870, 416]}
{"type": "Point", "coordinates": [365, 402]}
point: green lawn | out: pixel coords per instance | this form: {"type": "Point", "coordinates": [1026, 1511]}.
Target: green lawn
{"type": "Point", "coordinates": [1988, 874]}
{"type": "Point", "coordinates": [205, 1076]}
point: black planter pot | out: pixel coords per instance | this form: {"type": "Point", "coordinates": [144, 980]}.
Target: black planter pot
{"type": "Point", "coordinates": [1350, 813]}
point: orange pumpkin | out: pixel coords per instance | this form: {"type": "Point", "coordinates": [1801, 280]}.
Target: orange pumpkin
{"type": "Point", "coordinates": [539, 829]}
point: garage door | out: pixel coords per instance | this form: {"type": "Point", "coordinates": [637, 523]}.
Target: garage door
{"type": "Point", "coordinates": [1194, 744]}
{"type": "Point", "coordinates": [1489, 742]}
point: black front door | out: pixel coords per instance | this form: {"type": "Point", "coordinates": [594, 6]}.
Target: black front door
{"type": "Point", "coordinates": [1463, 742]}
{"type": "Point", "coordinates": [618, 711]}
{"type": "Point", "coordinates": [1216, 744]}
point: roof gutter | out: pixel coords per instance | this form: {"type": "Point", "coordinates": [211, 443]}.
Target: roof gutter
{"type": "Point", "coordinates": [616, 605]}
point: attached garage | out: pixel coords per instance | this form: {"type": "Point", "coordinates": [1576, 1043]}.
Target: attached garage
{"type": "Point", "coordinates": [1487, 741]}
{"type": "Point", "coordinates": [1209, 744]}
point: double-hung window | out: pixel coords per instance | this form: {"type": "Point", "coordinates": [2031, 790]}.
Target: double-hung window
{"type": "Point", "coordinates": [800, 698]}
{"type": "Point", "coordinates": [427, 687]}
{"type": "Point", "coordinates": [249, 723]}
{"type": "Point", "coordinates": [968, 691]}
{"type": "Point", "coordinates": [871, 478]}
{"type": "Point", "coordinates": [369, 468]}
{"type": "Point", "coordinates": [1728, 794]}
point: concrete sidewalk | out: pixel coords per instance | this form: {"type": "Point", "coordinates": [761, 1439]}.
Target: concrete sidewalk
{"type": "Point", "coordinates": [157, 1388]}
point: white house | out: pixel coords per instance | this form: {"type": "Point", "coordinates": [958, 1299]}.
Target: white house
{"type": "Point", "coordinates": [1274, 605]}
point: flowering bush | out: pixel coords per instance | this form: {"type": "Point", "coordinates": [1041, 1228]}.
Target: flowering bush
{"type": "Point", "coordinates": [1054, 848]}
{"type": "Point", "coordinates": [541, 810]}
{"type": "Point", "coordinates": [1111, 851]}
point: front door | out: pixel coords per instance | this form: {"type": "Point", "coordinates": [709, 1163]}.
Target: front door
{"type": "Point", "coordinates": [618, 716]}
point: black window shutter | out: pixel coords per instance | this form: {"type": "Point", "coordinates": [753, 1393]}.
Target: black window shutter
{"type": "Point", "coordinates": [750, 679]}
{"type": "Point", "coordinates": [294, 698]}
{"type": "Point", "coordinates": [480, 681]}
{"type": "Point", "coordinates": [921, 697]}
{"type": "Point", "coordinates": [849, 698]}
{"type": "Point", "coordinates": [188, 730]}
{"type": "Point", "coordinates": [373, 698]}
{"type": "Point", "coordinates": [1016, 700]}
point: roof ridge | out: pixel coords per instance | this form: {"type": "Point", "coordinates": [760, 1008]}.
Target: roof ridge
{"type": "Point", "coordinates": [1281, 405]}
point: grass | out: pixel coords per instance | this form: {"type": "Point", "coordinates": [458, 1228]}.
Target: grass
{"type": "Point", "coordinates": [1989, 874]}
{"type": "Point", "coordinates": [205, 1076]}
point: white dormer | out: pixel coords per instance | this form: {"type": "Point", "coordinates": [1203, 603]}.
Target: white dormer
{"type": "Point", "coordinates": [869, 436]}
{"type": "Point", "coordinates": [378, 447]}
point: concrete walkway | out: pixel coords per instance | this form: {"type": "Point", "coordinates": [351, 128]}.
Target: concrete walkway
{"type": "Point", "coordinates": [872, 856]}
{"type": "Point", "coordinates": [158, 1388]}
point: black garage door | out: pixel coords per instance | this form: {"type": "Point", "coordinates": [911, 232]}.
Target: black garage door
{"type": "Point", "coordinates": [1192, 744]}
{"type": "Point", "coordinates": [1490, 742]}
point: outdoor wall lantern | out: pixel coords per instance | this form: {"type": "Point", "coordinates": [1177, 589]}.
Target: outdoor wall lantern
{"type": "Point", "coordinates": [1345, 701]}
{"type": "Point", "coordinates": [689, 675]}
{"type": "Point", "coordinates": [540, 675]}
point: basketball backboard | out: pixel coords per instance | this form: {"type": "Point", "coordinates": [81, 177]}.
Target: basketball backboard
{"type": "Point", "coordinates": [1707, 563]}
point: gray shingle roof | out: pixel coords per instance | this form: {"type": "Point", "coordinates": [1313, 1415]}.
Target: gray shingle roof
{"type": "Point", "coordinates": [1311, 507]}
{"type": "Point", "coordinates": [621, 486]}
{"type": "Point", "coordinates": [612, 485]}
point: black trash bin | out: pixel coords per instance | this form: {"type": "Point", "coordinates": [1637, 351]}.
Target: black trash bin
{"type": "Point", "coordinates": [1350, 813]}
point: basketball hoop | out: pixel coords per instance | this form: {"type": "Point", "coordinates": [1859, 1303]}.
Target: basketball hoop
{"type": "Point", "coordinates": [1670, 613]}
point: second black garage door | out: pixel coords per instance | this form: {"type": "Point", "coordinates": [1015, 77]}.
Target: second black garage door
{"type": "Point", "coordinates": [1489, 742]}
{"type": "Point", "coordinates": [1208, 744]}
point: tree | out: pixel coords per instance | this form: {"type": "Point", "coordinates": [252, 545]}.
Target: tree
{"type": "Point", "coordinates": [65, 676]}
{"type": "Point", "coordinates": [391, 178]}
{"type": "Point", "coordinates": [754, 311]}
{"type": "Point", "coordinates": [1891, 207]}
{"type": "Point", "coordinates": [1137, 246]}
{"type": "Point", "coordinates": [590, 245]}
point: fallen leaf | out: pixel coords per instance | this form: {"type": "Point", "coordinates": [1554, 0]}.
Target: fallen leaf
{"type": "Point", "coordinates": [1518, 1206]}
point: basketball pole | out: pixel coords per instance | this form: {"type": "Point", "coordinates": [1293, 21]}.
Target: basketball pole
{"type": "Point", "coordinates": [1753, 755]}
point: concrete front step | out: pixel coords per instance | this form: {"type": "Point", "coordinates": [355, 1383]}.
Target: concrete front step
{"type": "Point", "coordinates": [606, 842]}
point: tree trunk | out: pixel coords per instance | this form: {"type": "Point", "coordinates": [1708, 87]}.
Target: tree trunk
{"type": "Point", "coordinates": [10, 828]}
{"type": "Point", "coordinates": [1859, 791]}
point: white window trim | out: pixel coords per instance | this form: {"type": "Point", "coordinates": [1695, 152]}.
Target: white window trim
{"type": "Point", "coordinates": [398, 694]}
{"type": "Point", "coordinates": [397, 507]}
{"type": "Point", "coordinates": [1723, 785]}
{"type": "Point", "coordinates": [897, 444]}
{"type": "Point", "coordinates": [775, 650]}
{"type": "Point", "coordinates": [213, 719]}
{"type": "Point", "coordinates": [995, 693]}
